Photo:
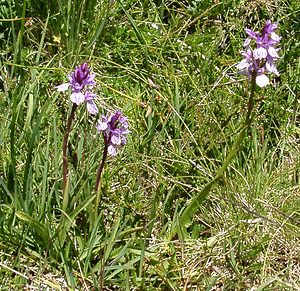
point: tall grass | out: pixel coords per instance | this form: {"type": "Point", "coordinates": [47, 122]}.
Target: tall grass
{"type": "Point", "coordinates": [170, 67]}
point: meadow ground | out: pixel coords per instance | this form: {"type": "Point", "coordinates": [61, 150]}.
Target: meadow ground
{"type": "Point", "coordinates": [183, 205]}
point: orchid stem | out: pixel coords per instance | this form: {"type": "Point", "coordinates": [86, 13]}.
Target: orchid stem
{"type": "Point", "coordinates": [100, 169]}
{"type": "Point", "coordinates": [99, 172]}
{"type": "Point", "coordinates": [191, 209]}
{"type": "Point", "coordinates": [65, 160]}
{"type": "Point", "coordinates": [251, 98]}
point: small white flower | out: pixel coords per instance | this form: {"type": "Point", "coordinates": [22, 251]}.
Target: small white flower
{"type": "Point", "coordinates": [77, 97]}
{"type": "Point", "coordinates": [116, 139]}
{"type": "Point", "coordinates": [243, 67]}
{"type": "Point", "coordinates": [260, 53]}
{"type": "Point", "coordinates": [262, 80]}
{"type": "Point", "coordinates": [273, 52]}
{"type": "Point", "coordinates": [112, 150]}
{"type": "Point", "coordinates": [154, 25]}
{"type": "Point", "coordinates": [63, 87]}
{"type": "Point", "coordinates": [270, 66]}
{"type": "Point", "coordinates": [275, 37]}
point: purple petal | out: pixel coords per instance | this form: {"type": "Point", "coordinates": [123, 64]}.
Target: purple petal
{"type": "Point", "coordinates": [112, 150]}
{"type": "Point", "coordinates": [115, 139]}
{"type": "Point", "coordinates": [269, 27]}
{"type": "Point", "coordinates": [123, 140]}
{"type": "Point", "coordinates": [273, 52]}
{"type": "Point", "coordinates": [260, 53]}
{"type": "Point", "coordinates": [246, 42]}
{"type": "Point", "coordinates": [89, 96]}
{"type": "Point", "coordinates": [243, 64]}
{"type": "Point", "coordinates": [91, 107]}
{"type": "Point", "coordinates": [102, 126]}
{"type": "Point", "coordinates": [270, 66]}
{"type": "Point", "coordinates": [251, 33]}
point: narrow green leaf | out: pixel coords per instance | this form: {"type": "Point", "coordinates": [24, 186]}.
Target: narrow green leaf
{"type": "Point", "coordinates": [40, 228]}
{"type": "Point", "coordinates": [37, 59]}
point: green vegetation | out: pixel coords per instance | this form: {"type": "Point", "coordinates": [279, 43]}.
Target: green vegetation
{"type": "Point", "coordinates": [170, 67]}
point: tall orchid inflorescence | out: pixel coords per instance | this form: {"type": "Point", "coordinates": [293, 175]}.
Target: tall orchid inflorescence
{"type": "Point", "coordinates": [114, 129]}
{"type": "Point", "coordinates": [261, 60]}
{"type": "Point", "coordinates": [81, 82]}
{"type": "Point", "coordinates": [258, 62]}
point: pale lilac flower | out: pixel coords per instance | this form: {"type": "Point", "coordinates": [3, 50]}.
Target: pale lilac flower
{"type": "Point", "coordinates": [114, 129]}
{"type": "Point", "coordinates": [81, 82]}
{"type": "Point", "coordinates": [260, 53]}
{"type": "Point", "coordinates": [262, 58]}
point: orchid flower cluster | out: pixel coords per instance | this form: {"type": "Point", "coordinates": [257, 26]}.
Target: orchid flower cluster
{"type": "Point", "coordinates": [260, 60]}
{"type": "Point", "coordinates": [113, 127]}
{"type": "Point", "coordinates": [81, 82]}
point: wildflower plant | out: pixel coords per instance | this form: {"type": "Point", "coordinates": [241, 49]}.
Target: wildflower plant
{"type": "Point", "coordinates": [114, 129]}
{"type": "Point", "coordinates": [81, 82]}
{"type": "Point", "coordinates": [258, 62]}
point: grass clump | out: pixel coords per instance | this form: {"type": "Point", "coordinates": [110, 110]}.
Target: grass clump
{"type": "Point", "coordinates": [170, 67]}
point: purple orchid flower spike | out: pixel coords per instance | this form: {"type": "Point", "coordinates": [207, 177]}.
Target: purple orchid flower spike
{"type": "Point", "coordinates": [261, 60]}
{"type": "Point", "coordinates": [81, 82]}
{"type": "Point", "coordinates": [114, 129]}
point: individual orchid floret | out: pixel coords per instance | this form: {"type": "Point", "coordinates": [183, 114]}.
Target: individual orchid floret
{"type": "Point", "coordinates": [81, 82]}
{"type": "Point", "coordinates": [114, 129]}
{"type": "Point", "coordinates": [261, 59]}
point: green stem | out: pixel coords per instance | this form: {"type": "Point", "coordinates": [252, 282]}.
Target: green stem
{"type": "Point", "coordinates": [99, 172]}
{"type": "Point", "coordinates": [194, 205]}
{"type": "Point", "coordinates": [191, 209]}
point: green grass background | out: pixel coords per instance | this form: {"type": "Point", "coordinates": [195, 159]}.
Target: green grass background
{"type": "Point", "coordinates": [169, 66]}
